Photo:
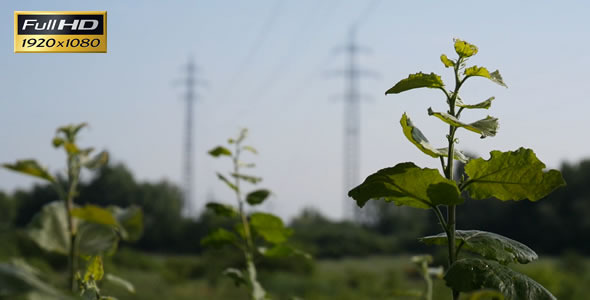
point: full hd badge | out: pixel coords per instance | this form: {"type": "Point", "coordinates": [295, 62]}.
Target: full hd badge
{"type": "Point", "coordinates": [60, 31]}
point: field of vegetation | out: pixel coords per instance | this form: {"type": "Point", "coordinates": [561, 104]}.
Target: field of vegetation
{"type": "Point", "coordinates": [466, 232]}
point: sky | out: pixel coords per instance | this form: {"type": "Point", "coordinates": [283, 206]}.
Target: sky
{"type": "Point", "coordinates": [269, 66]}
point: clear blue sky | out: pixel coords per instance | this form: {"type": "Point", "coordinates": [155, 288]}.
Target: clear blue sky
{"type": "Point", "coordinates": [266, 63]}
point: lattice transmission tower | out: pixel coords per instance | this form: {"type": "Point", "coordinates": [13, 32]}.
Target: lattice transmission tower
{"type": "Point", "coordinates": [190, 82]}
{"type": "Point", "coordinates": [352, 126]}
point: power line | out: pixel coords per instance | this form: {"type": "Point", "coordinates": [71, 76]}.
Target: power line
{"type": "Point", "coordinates": [258, 41]}
{"type": "Point", "coordinates": [288, 59]}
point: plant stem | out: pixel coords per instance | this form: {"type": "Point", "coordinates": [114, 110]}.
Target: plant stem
{"type": "Point", "coordinates": [451, 209]}
{"type": "Point", "coordinates": [73, 174]}
{"type": "Point", "coordinates": [249, 249]}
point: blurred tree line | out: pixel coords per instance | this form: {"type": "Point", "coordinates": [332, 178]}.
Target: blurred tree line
{"type": "Point", "coordinates": [552, 226]}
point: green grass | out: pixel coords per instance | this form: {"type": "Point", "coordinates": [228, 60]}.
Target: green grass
{"type": "Point", "coordinates": [194, 277]}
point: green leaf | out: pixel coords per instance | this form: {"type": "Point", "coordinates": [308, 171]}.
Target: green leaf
{"type": "Point", "coordinates": [71, 148]}
{"type": "Point", "coordinates": [270, 227]}
{"type": "Point", "coordinates": [219, 151]}
{"type": "Point", "coordinates": [49, 228]}
{"type": "Point", "coordinates": [465, 49]}
{"type": "Point", "coordinates": [99, 160]}
{"type": "Point", "coordinates": [70, 131]}
{"type": "Point", "coordinates": [96, 239]}
{"type": "Point", "coordinates": [251, 149]}
{"type": "Point", "coordinates": [222, 209]}
{"type": "Point", "coordinates": [229, 184]}
{"type": "Point", "coordinates": [246, 165]}
{"type": "Point", "coordinates": [486, 127]}
{"type": "Point", "coordinates": [32, 168]}
{"type": "Point", "coordinates": [94, 214]}
{"type": "Point", "coordinates": [407, 184]}
{"type": "Point", "coordinates": [94, 270]}
{"type": "Point", "coordinates": [17, 278]}
{"type": "Point", "coordinates": [258, 196]}
{"type": "Point", "coordinates": [446, 61]}
{"type": "Point", "coordinates": [242, 136]}
{"type": "Point", "coordinates": [248, 178]}
{"type": "Point", "coordinates": [467, 275]}
{"type": "Point", "coordinates": [482, 105]}
{"type": "Point", "coordinates": [281, 251]}
{"type": "Point", "coordinates": [487, 244]}
{"type": "Point", "coordinates": [483, 72]}
{"type": "Point", "coordinates": [235, 275]}
{"type": "Point", "coordinates": [219, 237]}
{"type": "Point", "coordinates": [120, 282]}
{"type": "Point", "coordinates": [512, 175]}
{"type": "Point", "coordinates": [415, 136]}
{"type": "Point", "coordinates": [57, 142]}
{"type": "Point", "coordinates": [414, 81]}
{"type": "Point", "coordinates": [130, 221]}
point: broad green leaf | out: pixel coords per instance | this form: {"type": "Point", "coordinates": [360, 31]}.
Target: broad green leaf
{"type": "Point", "coordinates": [57, 142]}
{"type": "Point", "coordinates": [486, 127]}
{"type": "Point", "coordinates": [251, 149]}
{"type": "Point", "coordinates": [222, 209]}
{"type": "Point", "coordinates": [483, 72]}
{"type": "Point", "coordinates": [235, 275]}
{"type": "Point", "coordinates": [467, 275]}
{"type": "Point", "coordinates": [446, 61]}
{"type": "Point", "coordinates": [19, 280]}
{"type": "Point", "coordinates": [94, 270]}
{"type": "Point", "coordinates": [219, 237]}
{"type": "Point", "coordinates": [120, 282]}
{"type": "Point", "coordinates": [487, 244]}
{"type": "Point", "coordinates": [219, 151]}
{"type": "Point", "coordinates": [282, 250]}
{"type": "Point", "coordinates": [99, 160]}
{"type": "Point", "coordinates": [486, 295]}
{"type": "Point", "coordinates": [49, 228]}
{"type": "Point", "coordinates": [32, 168]}
{"type": "Point", "coordinates": [239, 228]}
{"type": "Point", "coordinates": [248, 178]}
{"type": "Point", "coordinates": [512, 175]}
{"type": "Point", "coordinates": [270, 227]}
{"type": "Point", "coordinates": [482, 105]}
{"type": "Point", "coordinates": [414, 81]}
{"type": "Point", "coordinates": [70, 131]}
{"type": "Point", "coordinates": [96, 239]}
{"type": "Point", "coordinates": [231, 185]}
{"type": "Point", "coordinates": [130, 221]}
{"type": "Point", "coordinates": [407, 184]}
{"type": "Point", "coordinates": [465, 49]}
{"type": "Point", "coordinates": [257, 196]}
{"type": "Point", "coordinates": [415, 136]}
{"type": "Point", "coordinates": [94, 214]}
{"type": "Point", "coordinates": [71, 148]}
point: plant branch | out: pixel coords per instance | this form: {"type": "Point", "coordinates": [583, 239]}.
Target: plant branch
{"type": "Point", "coordinates": [73, 176]}
{"type": "Point", "coordinates": [440, 217]}
{"type": "Point", "coordinates": [451, 209]}
{"type": "Point", "coordinates": [249, 248]}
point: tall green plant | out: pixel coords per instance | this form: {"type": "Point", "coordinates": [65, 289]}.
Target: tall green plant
{"type": "Point", "coordinates": [254, 234]}
{"type": "Point", "coordinates": [83, 233]}
{"type": "Point", "coordinates": [512, 175]}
